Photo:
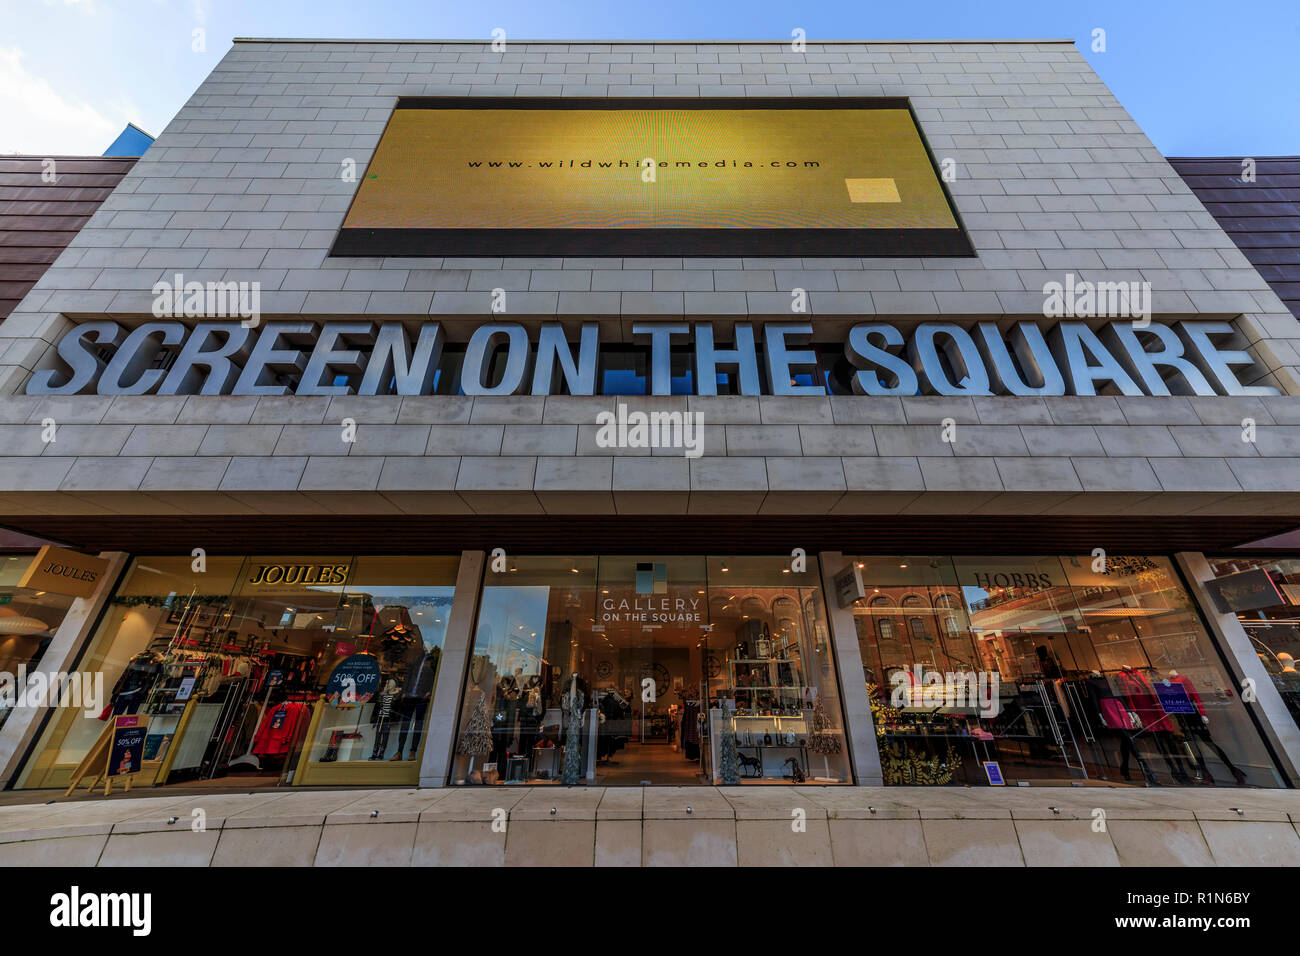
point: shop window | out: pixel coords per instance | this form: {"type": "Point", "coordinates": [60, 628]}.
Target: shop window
{"type": "Point", "coordinates": [388, 640]}
{"type": "Point", "coordinates": [1054, 672]}
{"type": "Point", "coordinates": [675, 670]}
{"type": "Point", "coordinates": [1264, 593]}
{"type": "Point", "coordinates": [527, 713]}
{"type": "Point", "coordinates": [28, 620]}
{"type": "Point", "coordinates": [236, 667]}
{"type": "Point", "coordinates": [157, 619]}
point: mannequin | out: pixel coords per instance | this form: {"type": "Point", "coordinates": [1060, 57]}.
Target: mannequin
{"type": "Point", "coordinates": [1143, 701]}
{"type": "Point", "coordinates": [414, 702]}
{"type": "Point", "coordinates": [1117, 721]}
{"type": "Point", "coordinates": [1196, 728]}
{"type": "Point", "coordinates": [530, 713]}
{"type": "Point", "coordinates": [504, 718]}
{"type": "Point", "coordinates": [382, 718]}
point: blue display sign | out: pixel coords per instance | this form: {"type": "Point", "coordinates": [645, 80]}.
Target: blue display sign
{"type": "Point", "coordinates": [354, 681]}
{"type": "Point", "coordinates": [1174, 698]}
{"type": "Point", "coordinates": [127, 753]}
{"type": "Point", "coordinates": [994, 773]}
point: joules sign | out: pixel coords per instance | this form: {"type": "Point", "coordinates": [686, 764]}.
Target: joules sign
{"type": "Point", "coordinates": [64, 572]}
{"type": "Point", "coordinates": [273, 574]}
{"type": "Point", "coordinates": [1071, 357]}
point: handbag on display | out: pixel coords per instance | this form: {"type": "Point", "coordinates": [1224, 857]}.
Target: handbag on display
{"type": "Point", "coordinates": [1114, 715]}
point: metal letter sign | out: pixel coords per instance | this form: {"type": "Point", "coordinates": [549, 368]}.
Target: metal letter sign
{"type": "Point", "coordinates": [360, 357]}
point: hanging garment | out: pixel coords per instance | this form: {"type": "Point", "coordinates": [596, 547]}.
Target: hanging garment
{"type": "Point", "coordinates": [1141, 699]}
{"type": "Point", "coordinates": [135, 683]}
{"type": "Point", "coordinates": [1106, 706]}
{"type": "Point", "coordinates": [1188, 686]}
{"type": "Point", "coordinates": [280, 728]}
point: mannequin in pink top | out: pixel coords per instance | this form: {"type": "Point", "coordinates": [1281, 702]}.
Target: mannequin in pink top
{"type": "Point", "coordinates": [1143, 701]}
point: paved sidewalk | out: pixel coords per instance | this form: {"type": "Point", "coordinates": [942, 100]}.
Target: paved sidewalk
{"type": "Point", "coordinates": [697, 826]}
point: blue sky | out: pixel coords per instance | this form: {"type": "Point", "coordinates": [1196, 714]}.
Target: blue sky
{"type": "Point", "coordinates": [1200, 77]}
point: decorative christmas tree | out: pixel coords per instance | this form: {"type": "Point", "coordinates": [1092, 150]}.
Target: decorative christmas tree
{"type": "Point", "coordinates": [476, 739]}
{"type": "Point", "coordinates": [824, 739]}
{"type": "Point", "coordinates": [573, 738]}
{"type": "Point", "coordinates": [728, 759]}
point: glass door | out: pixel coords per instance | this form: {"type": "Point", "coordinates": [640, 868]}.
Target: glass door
{"type": "Point", "coordinates": [650, 647]}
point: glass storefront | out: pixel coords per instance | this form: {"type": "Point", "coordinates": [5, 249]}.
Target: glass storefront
{"type": "Point", "coordinates": [265, 670]}
{"type": "Point", "coordinates": [614, 670]}
{"type": "Point", "coordinates": [1047, 669]}
{"type": "Point", "coordinates": [1264, 593]}
{"type": "Point", "coordinates": [627, 671]}
{"type": "Point", "coordinates": [28, 620]}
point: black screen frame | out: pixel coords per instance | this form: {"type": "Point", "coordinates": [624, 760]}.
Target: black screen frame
{"type": "Point", "coordinates": [656, 242]}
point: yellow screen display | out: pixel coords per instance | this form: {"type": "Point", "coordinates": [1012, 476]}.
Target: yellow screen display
{"type": "Point", "coordinates": [651, 169]}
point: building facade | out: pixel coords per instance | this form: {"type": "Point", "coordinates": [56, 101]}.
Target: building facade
{"type": "Point", "coordinates": [863, 413]}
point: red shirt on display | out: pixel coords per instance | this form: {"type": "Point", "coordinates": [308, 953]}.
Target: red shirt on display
{"type": "Point", "coordinates": [279, 729]}
{"type": "Point", "coordinates": [1142, 700]}
{"type": "Point", "coordinates": [1191, 691]}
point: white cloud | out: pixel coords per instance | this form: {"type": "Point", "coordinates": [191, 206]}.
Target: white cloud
{"type": "Point", "coordinates": [37, 120]}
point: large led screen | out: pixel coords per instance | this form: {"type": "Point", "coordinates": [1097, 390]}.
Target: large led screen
{"type": "Point", "coordinates": [636, 177]}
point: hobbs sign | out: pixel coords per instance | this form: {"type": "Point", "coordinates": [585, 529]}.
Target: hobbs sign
{"type": "Point", "coordinates": [878, 358]}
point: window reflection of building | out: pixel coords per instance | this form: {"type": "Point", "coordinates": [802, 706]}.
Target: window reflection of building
{"type": "Point", "coordinates": [230, 667]}
{"type": "Point", "coordinates": [737, 643]}
{"type": "Point", "coordinates": [1045, 627]}
{"type": "Point", "coordinates": [28, 620]}
{"type": "Point", "coordinates": [1273, 630]}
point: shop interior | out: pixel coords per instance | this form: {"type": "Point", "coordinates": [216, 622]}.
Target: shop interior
{"type": "Point", "coordinates": [237, 688]}
{"type": "Point", "coordinates": [1269, 612]}
{"type": "Point", "coordinates": [1101, 677]}
{"type": "Point", "coordinates": [650, 671]}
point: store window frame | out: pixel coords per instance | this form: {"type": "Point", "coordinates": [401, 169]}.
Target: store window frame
{"type": "Point", "coordinates": [94, 631]}
{"type": "Point", "coordinates": [1201, 600]}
